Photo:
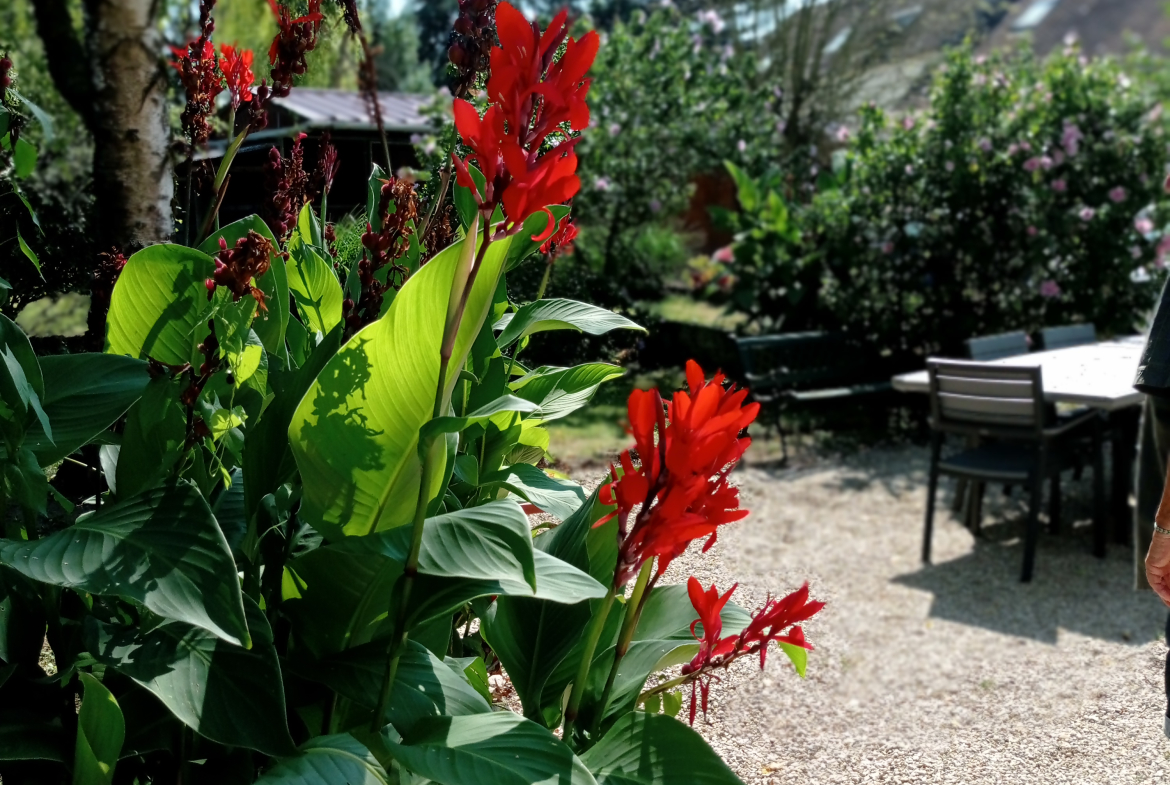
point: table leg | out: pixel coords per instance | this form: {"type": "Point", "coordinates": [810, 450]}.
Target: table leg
{"type": "Point", "coordinates": [1124, 437]}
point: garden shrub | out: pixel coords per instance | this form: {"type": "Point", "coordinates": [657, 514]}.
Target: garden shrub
{"type": "Point", "coordinates": [1026, 194]}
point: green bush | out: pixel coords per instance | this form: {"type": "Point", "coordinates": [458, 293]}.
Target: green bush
{"type": "Point", "coordinates": [1024, 195]}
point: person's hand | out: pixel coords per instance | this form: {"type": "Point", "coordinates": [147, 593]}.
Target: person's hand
{"type": "Point", "coordinates": [1158, 566]}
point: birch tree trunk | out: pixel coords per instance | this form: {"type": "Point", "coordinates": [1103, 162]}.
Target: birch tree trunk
{"type": "Point", "coordinates": [114, 78]}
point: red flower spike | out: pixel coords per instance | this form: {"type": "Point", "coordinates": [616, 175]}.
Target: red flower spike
{"type": "Point", "coordinates": [532, 96]}
{"type": "Point", "coordinates": [236, 65]}
{"type": "Point", "coordinates": [561, 243]}
{"type": "Point", "coordinates": [681, 482]}
{"type": "Point", "coordinates": [775, 621]}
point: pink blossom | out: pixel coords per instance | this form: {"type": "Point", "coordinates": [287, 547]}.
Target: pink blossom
{"type": "Point", "coordinates": [1087, 213]}
{"type": "Point", "coordinates": [985, 145]}
{"type": "Point", "coordinates": [909, 169]}
{"type": "Point", "coordinates": [741, 145]}
{"type": "Point", "coordinates": [1049, 288]}
{"type": "Point", "coordinates": [1059, 185]}
{"type": "Point", "coordinates": [725, 255]}
{"type": "Point", "coordinates": [1143, 225]}
{"type": "Point", "coordinates": [655, 206]}
{"type": "Point", "coordinates": [1117, 194]}
{"type": "Point", "coordinates": [908, 122]}
{"type": "Point", "coordinates": [1032, 231]}
{"type": "Point", "coordinates": [601, 183]}
{"type": "Point", "coordinates": [1070, 138]}
{"type": "Point", "coordinates": [615, 129]}
{"type": "Point", "coordinates": [949, 166]}
{"type": "Point", "coordinates": [887, 247]}
{"type": "Point", "coordinates": [842, 134]}
{"type": "Point", "coordinates": [1013, 148]}
{"type": "Point", "coordinates": [1045, 162]}
{"type": "Point", "coordinates": [1032, 164]}
{"type": "Point", "coordinates": [1161, 251]}
{"type": "Point", "coordinates": [1135, 252]}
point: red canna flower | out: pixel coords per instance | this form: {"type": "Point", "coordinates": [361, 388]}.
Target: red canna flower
{"type": "Point", "coordinates": [776, 621]}
{"type": "Point", "coordinates": [532, 96]}
{"type": "Point", "coordinates": [236, 65]}
{"type": "Point", "coordinates": [238, 268]}
{"type": "Point", "coordinates": [681, 481]}
{"type": "Point", "coordinates": [198, 70]}
{"type": "Point", "coordinates": [562, 241]}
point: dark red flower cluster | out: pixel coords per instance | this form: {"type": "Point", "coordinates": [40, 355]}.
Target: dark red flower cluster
{"type": "Point", "coordinates": [286, 184]}
{"type": "Point", "coordinates": [236, 65]}
{"type": "Point", "coordinates": [198, 70]}
{"type": "Point", "coordinates": [778, 620]}
{"type": "Point", "coordinates": [398, 214]}
{"type": "Point", "coordinates": [349, 12]}
{"type": "Point", "coordinates": [328, 163]}
{"type": "Point", "coordinates": [471, 43]}
{"type": "Point", "coordinates": [681, 481]}
{"type": "Point", "coordinates": [5, 79]}
{"type": "Point", "coordinates": [533, 96]}
{"type": "Point", "coordinates": [561, 243]}
{"type": "Point", "coordinates": [292, 43]}
{"type": "Point", "coordinates": [237, 268]}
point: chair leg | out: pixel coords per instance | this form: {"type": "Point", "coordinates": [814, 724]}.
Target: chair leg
{"type": "Point", "coordinates": [1100, 535]}
{"type": "Point", "coordinates": [975, 507]}
{"type": "Point", "coordinates": [1054, 505]}
{"type": "Point", "coordinates": [1032, 532]}
{"type": "Point", "coordinates": [931, 492]}
{"type": "Point", "coordinates": [783, 441]}
{"type": "Point", "coordinates": [957, 504]}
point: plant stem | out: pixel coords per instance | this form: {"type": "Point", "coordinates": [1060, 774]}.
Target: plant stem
{"type": "Point", "coordinates": [410, 569]}
{"type": "Point", "coordinates": [665, 686]}
{"type": "Point", "coordinates": [634, 607]}
{"type": "Point", "coordinates": [592, 634]}
{"type": "Point", "coordinates": [440, 196]}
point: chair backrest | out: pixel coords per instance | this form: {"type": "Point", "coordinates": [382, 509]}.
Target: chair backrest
{"type": "Point", "coordinates": [802, 360]}
{"type": "Point", "coordinates": [995, 347]}
{"type": "Point", "coordinates": [1068, 335]}
{"type": "Point", "coordinates": [983, 398]}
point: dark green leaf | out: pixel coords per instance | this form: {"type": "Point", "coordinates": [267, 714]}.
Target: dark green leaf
{"type": "Point", "coordinates": [84, 395]}
{"type": "Point", "coordinates": [557, 497]}
{"type": "Point", "coordinates": [152, 442]}
{"type": "Point", "coordinates": [505, 403]}
{"type": "Point", "coordinates": [225, 692]}
{"type": "Point", "coordinates": [653, 749]}
{"type": "Point", "coordinates": [100, 733]}
{"type": "Point", "coordinates": [534, 226]}
{"type": "Point", "coordinates": [328, 760]}
{"type": "Point", "coordinates": [161, 548]}
{"type": "Point", "coordinates": [561, 391]}
{"type": "Point", "coordinates": [499, 748]}
{"type": "Point", "coordinates": [29, 253]}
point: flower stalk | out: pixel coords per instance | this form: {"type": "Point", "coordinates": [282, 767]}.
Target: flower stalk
{"type": "Point", "coordinates": [592, 635]}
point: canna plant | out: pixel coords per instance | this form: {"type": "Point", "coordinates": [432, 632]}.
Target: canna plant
{"type": "Point", "coordinates": [313, 541]}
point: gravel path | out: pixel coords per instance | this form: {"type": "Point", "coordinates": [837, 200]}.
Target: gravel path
{"type": "Point", "coordinates": [954, 672]}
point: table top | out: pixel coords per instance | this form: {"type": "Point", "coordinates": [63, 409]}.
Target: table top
{"type": "Point", "coordinates": [1098, 375]}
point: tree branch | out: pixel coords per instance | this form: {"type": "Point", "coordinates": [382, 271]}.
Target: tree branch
{"type": "Point", "coordinates": [67, 58]}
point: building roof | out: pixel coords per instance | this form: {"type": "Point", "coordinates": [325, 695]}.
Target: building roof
{"type": "Point", "coordinates": [326, 108]}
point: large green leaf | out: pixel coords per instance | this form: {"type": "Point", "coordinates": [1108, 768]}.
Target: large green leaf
{"type": "Point", "coordinates": [152, 441]}
{"type": "Point", "coordinates": [533, 637]}
{"type": "Point", "coordinates": [424, 685]}
{"type": "Point", "coordinates": [561, 391]}
{"type": "Point", "coordinates": [328, 760]}
{"type": "Point", "coordinates": [535, 225]}
{"type": "Point", "coordinates": [500, 748]}
{"type": "Point", "coordinates": [559, 314]}
{"type": "Point", "coordinates": [653, 749]}
{"type": "Point", "coordinates": [559, 498]}
{"type": "Point", "coordinates": [20, 398]}
{"type": "Point", "coordinates": [85, 394]}
{"type": "Point", "coordinates": [100, 733]}
{"type": "Point", "coordinates": [452, 424]}
{"type": "Point", "coordinates": [338, 599]}
{"type": "Point", "coordinates": [355, 433]}
{"type": "Point", "coordinates": [12, 337]}
{"type": "Point", "coordinates": [22, 619]}
{"type": "Point", "coordinates": [162, 548]}
{"type": "Point", "coordinates": [314, 287]}
{"type": "Point", "coordinates": [22, 739]}
{"type": "Point", "coordinates": [488, 542]}
{"type": "Point", "coordinates": [157, 303]}
{"type": "Point", "coordinates": [269, 326]}
{"type": "Point", "coordinates": [225, 692]}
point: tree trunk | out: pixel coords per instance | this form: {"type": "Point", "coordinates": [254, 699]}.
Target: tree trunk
{"type": "Point", "coordinates": [132, 174]}
{"type": "Point", "coordinates": [116, 82]}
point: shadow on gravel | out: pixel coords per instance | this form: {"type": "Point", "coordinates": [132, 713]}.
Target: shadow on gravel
{"type": "Point", "coordinates": [1071, 590]}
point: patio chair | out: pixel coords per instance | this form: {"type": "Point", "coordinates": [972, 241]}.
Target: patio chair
{"type": "Point", "coordinates": [1068, 335]}
{"type": "Point", "coordinates": [986, 348]}
{"type": "Point", "coordinates": [1019, 440]}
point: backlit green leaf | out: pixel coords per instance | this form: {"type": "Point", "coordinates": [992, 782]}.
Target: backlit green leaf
{"type": "Point", "coordinates": [100, 733]}
{"type": "Point", "coordinates": [559, 315]}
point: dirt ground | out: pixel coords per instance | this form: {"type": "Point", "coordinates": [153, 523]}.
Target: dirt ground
{"type": "Point", "coordinates": [953, 672]}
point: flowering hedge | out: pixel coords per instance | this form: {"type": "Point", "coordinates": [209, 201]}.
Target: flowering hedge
{"type": "Point", "coordinates": [1025, 195]}
{"type": "Point", "coordinates": [318, 477]}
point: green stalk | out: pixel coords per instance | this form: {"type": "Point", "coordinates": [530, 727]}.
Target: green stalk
{"type": "Point", "coordinates": [634, 608]}
{"type": "Point", "coordinates": [665, 686]}
{"type": "Point", "coordinates": [410, 570]}
{"type": "Point", "coordinates": [592, 634]}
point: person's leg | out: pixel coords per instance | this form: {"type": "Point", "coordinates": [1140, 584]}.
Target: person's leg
{"type": "Point", "coordinates": [1153, 448]}
{"type": "Point", "coordinates": [1166, 719]}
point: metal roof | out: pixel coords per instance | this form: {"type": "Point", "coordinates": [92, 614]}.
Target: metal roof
{"type": "Point", "coordinates": [325, 108]}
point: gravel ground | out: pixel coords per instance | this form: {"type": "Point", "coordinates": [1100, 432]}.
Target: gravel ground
{"type": "Point", "coordinates": [954, 672]}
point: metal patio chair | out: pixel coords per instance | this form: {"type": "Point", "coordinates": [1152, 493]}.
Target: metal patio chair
{"type": "Point", "coordinates": [986, 348]}
{"type": "Point", "coordinates": [1019, 441]}
{"type": "Point", "coordinates": [1068, 335]}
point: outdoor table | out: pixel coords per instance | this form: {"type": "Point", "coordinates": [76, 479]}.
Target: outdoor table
{"type": "Point", "coordinates": [1098, 375]}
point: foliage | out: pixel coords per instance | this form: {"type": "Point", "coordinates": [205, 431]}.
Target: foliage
{"type": "Point", "coordinates": [302, 513]}
{"type": "Point", "coordinates": [1026, 195]}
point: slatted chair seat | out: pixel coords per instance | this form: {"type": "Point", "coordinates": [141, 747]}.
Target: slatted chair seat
{"type": "Point", "coordinates": [1018, 439]}
{"type": "Point", "coordinates": [1068, 335]}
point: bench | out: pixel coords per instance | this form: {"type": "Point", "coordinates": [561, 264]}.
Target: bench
{"type": "Point", "coordinates": [789, 371]}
